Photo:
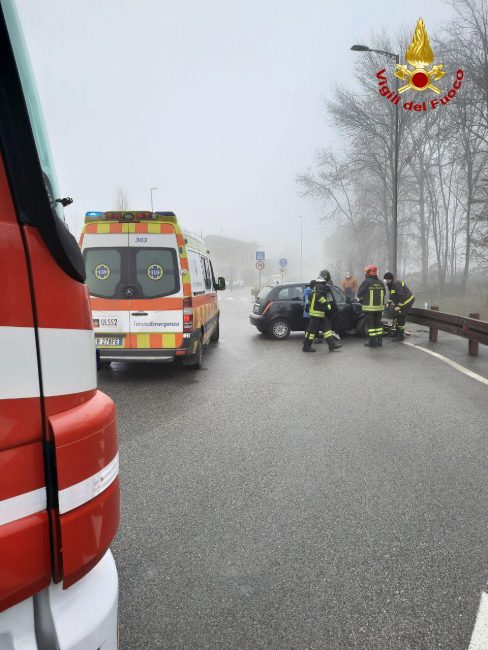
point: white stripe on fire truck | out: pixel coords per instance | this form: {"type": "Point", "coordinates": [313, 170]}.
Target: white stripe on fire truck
{"type": "Point", "coordinates": [86, 490]}
{"type": "Point", "coordinates": [68, 361]}
{"type": "Point", "coordinates": [19, 360]}
{"type": "Point", "coordinates": [22, 505]}
{"type": "Point", "coordinates": [67, 357]}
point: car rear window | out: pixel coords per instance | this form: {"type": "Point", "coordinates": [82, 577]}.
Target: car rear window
{"type": "Point", "coordinates": [290, 293]}
{"type": "Point", "coordinates": [264, 293]}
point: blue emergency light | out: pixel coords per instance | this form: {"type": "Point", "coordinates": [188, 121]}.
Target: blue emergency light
{"type": "Point", "coordinates": [94, 215]}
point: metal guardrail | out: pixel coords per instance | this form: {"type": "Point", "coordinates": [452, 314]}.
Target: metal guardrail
{"type": "Point", "coordinates": [473, 329]}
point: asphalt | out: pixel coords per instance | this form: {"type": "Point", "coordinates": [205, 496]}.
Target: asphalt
{"type": "Point", "coordinates": [280, 500]}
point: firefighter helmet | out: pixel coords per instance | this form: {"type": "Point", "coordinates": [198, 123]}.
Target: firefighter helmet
{"type": "Point", "coordinates": [325, 275]}
{"type": "Point", "coordinates": [370, 270]}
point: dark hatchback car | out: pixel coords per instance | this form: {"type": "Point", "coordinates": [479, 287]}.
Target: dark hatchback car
{"type": "Point", "coordinates": [278, 310]}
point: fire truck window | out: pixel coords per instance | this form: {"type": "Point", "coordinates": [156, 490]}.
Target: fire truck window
{"type": "Point", "coordinates": [34, 109]}
{"type": "Point", "coordinates": [103, 271]}
{"type": "Point", "coordinates": [156, 271]}
{"type": "Point", "coordinates": [25, 148]}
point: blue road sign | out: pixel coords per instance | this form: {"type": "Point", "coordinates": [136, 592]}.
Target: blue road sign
{"type": "Point", "coordinates": [283, 261]}
{"type": "Point", "coordinates": [260, 256]}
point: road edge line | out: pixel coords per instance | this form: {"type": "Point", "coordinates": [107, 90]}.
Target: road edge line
{"type": "Point", "coordinates": [451, 363]}
{"type": "Point", "coordinates": [479, 638]}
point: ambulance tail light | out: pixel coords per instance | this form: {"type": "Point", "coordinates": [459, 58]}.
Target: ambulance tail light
{"type": "Point", "coordinates": [187, 315]}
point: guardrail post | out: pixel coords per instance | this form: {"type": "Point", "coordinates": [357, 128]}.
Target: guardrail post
{"type": "Point", "coordinates": [433, 331]}
{"type": "Point", "coordinates": [473, 345]}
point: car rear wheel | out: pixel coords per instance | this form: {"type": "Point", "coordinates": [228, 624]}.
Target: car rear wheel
{"type": "Point", "coordinates": [362, 327]}
{"type": "Point", "coordinates": [279, 329]}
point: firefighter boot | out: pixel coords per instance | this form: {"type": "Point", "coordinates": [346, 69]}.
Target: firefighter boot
{"type": "Point", "coordinates": [307, 346]}
{"type": "Point", "coordinates": [379, 340]}
{"type": "Point", "coordinates": [371, 343]}
{"type": "Point", "coordinates": [333, 344]}
{"type": "Point", "coordinates": [399, 337]}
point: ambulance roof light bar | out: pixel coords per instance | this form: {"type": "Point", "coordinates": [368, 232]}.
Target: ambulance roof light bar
{"type": "Point", "coordinates": [129, 215]}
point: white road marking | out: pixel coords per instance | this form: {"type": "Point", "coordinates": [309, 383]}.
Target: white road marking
{"type": "Point", "coordinates": [230, 297]}
{"type": "Point", "coordinates": [451, 363]}
{"type": "Point", "coordinates": [479, 638]}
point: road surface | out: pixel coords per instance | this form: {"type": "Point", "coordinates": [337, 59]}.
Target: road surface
{"type": "Point", "coordinates": [282, 500]}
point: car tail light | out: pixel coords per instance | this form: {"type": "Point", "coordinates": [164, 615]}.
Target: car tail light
{"type": "Point", "coordinates": [267, 307]}
{"type": "Point", "coordinates": [187, 315]}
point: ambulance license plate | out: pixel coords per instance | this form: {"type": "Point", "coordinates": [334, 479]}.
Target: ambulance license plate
{"type": "Point", "coordinates": [108, 340]}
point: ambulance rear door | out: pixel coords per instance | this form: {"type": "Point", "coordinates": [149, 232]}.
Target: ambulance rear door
{"type": "Point", "coordinates": [156, 315]}
{"type": "Point", "coordinates": [106, 253]}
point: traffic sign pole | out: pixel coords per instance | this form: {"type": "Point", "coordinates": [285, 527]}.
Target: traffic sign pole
{"type": "Point", "coordinates": [260, 266]}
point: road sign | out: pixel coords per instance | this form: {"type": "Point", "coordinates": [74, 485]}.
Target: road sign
{"type": "Point", "coordinates": [283, 262]}
{"type": "Point", "coordinates": [260, 256]}
{"type": "Point", "coordinates": [260, 265]}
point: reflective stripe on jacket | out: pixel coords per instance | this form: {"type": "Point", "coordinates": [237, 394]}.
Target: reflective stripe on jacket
{"type": "Point", "coordinates": [400, 294]}
{"type": "Point", "coordinates": [371, 294]}
{"type": "Point", "coordinates": [319, 303]}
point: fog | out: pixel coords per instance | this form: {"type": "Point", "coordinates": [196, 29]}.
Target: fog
{"type": "Point", "coordinates": [218, 104]}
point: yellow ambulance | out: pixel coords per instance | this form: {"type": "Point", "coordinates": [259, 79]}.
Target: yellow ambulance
{"type": "Point", "coordinates": [152, 287]}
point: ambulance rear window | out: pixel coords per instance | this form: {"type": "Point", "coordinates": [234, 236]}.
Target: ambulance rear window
{"type": "Point", "coordinates": [156, 271]}
{"type": "Point", "coordinates": [103, 271]}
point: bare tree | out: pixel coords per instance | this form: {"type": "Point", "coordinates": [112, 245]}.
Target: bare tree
{"type": "Point", "coordinates": [121, 200]}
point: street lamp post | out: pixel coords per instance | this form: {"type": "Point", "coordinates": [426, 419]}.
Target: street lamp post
{"type": "Point", "coordinates": [396, 57]}
{"type": "Point", "coordinates": [301, 248]}
{"type": "Point", "coordinates": [151, 190]}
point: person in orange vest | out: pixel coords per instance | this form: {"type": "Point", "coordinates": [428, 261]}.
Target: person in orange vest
{"type": "Point", "coordinates": [350, 285]}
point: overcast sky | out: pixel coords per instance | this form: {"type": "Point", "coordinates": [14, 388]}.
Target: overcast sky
{"type": "Point", "coordinates": [217, 103]}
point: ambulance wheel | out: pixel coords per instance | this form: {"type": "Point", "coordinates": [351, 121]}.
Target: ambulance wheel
{"type": "Point", "coordinates": [215, 335]}
{"type": "Point", "coordinates": [196, 360]}
{"type": "Point", "coordinates": [279, 329]}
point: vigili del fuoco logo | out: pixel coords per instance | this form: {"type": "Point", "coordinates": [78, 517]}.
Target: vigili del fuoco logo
{"type": "Point", "coordinates": [418, 76]}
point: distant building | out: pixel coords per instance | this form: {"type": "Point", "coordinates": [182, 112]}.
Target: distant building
{"type": "Point", "coordinates": [233, 258]}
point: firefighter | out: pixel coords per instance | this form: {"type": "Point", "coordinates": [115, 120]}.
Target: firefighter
{"type": "Point", "coordinates": [371, 295]}
{"type": "Point", "coordinates": [402, 299]}
{"type": "Point", "coordinates": [320, 307]}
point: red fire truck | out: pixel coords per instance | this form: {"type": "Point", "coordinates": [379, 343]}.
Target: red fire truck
{"type": "Point", "coordinates": [59, 486]}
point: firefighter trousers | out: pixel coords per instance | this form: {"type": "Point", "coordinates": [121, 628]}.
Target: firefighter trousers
{"type": "Point", "coordinates": [315, 326]}
{"type": "Point", "coordinates": [402, 317]}
{"type": "Point", "coordinates": [373, 321]}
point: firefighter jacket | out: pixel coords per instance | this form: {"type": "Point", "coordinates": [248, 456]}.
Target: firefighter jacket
{"type": "Point", "coordinates": [400, 294]}
{"type": "Point", "coordinates": [320, 304]}
{"type": "Point", "coordinates": [371, 294]}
